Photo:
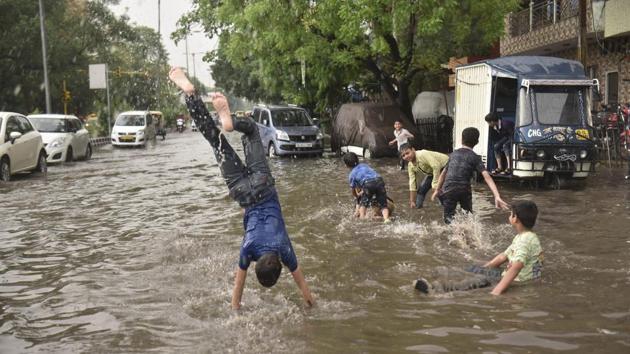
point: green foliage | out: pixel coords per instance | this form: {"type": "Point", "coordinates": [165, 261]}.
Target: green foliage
{"type": "Point", "coordinates": [79, 33]}
{"type": "Point", "coordinates": [385, 45]}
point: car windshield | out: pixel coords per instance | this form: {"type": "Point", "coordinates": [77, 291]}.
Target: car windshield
{"type": "Point", "coordinates": [130, 120]}
{"type": "Point", "coordinates": [564, 105]}
{"type": "Point", "coordinates": [49, 125]}
{"type": "Point", "coordinates": [290, 118]}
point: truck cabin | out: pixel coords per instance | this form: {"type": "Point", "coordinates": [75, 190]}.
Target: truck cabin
{"type": "Point", "coordinates": [547, 99]}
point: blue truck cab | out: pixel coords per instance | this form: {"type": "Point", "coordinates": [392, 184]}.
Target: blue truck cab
{"type": "Point", "coordinates": [547, 98]}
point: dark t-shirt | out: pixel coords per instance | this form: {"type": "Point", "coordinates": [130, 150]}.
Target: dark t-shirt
{"type": "Point", "coordinates": [460, 167]}
{"type": "Point", "coordinates": [265, 232]}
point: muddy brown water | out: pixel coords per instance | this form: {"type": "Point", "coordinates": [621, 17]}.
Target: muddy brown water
{"type": "Point", "coordinates": [135, 251]}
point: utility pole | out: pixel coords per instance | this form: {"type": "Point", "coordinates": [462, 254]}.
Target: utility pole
{"type": "Point", "coordinates": [159, 61]}
{"type": "Point", "coordinates": [44, 61]}
{"type": "Point", "coordinates": [582, 46]}
{"type": "Point", "coordinates": [194, 63]}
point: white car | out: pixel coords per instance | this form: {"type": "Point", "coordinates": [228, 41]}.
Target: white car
{"type": "Point", "coordinates": [64, 136]}
{"type": "Point", "coordinates": [133, 128]}
{"type": "Point", "coordinates": [21, 146]}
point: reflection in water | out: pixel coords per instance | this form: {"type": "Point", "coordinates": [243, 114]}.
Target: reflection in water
{"type": "Point", "coordinates": [136, 251]}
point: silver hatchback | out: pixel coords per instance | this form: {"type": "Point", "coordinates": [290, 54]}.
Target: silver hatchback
{"type": "Point", "coordinates": [288, 130]}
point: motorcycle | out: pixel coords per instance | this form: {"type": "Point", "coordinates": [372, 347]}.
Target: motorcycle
{"type": "Point", "coordinates": [180, 125]}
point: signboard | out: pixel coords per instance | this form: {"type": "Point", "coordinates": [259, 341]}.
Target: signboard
{"type": "Point", "coordinates": [98, 76]}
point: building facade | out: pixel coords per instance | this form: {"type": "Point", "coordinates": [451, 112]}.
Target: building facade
{"type": "Point", "coordinates": [553, 28]}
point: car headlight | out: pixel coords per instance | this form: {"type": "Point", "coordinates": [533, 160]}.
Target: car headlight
{"type": "Point", "coordinates": [320, 136]}
{"type": "Point", "coordinates": [540, 154]}
{"type": "Point", "coordinates": [282, 135]}
{"type": "Point", "coordinates": [57, 142]}
{"type": "Point", "coordinates": [583, 154]}
{"type": "Point", "coordinates": [140, 132]}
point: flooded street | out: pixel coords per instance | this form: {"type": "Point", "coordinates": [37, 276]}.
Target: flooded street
{"type": "Point", "coordinates": [135, 251]}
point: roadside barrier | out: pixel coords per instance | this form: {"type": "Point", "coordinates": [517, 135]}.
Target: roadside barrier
{"type": "Point", "coordinates": [100, 141]}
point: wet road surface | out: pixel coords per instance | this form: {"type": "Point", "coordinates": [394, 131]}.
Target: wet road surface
{"type": "Point", "coordinates": [135, 251]}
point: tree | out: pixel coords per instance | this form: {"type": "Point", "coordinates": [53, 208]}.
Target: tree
{"type": "Point", "coordinates": [381, 45]}
{"type": "Point", "coordinates": [79, 33]}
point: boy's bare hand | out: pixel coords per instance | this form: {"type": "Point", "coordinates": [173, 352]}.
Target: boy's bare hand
{"type": "Point", "coordinates": [434, 195]}
{"type": "Point", "coordinates": [500, 203]}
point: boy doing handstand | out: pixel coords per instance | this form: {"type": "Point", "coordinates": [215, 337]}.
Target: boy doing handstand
{"type": "Point", "coordinates": [266, 241]}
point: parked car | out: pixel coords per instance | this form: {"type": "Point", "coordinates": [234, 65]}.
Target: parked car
{"type": "Point", "coordinates": [64, 136]}
{"type": "Point", "coordinates": [288, 130]}
{"type": "Point", "coordinates": [21, 146]}
{"type": "Point", "coordinates": [133, 128]}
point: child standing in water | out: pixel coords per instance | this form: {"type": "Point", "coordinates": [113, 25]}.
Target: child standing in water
{"type": "Point", "coordinates": [524, 258]}
{"type": "Point", "coordinates": [371, 185]}
{"type": "Point", "coordinates": [266, 241]}
{"type": "Point", "coordinates": [401, 136]}
{"type": "Point", "coordinates": [453, 186]}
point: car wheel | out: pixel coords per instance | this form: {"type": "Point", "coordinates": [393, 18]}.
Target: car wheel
{"type": "Point", "coordinates": [69, 156]}
{"type": "Point", "coordinates": [271, 151]}
{"type": "Point", "coordinates": [88, 152]}
{"type": "Point", "coordinates": [5, 170]}
{"type": "Point", "coordinates": [42, 165]}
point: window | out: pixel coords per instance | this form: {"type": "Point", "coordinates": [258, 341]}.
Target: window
{"type": "Point", "coordinates": [25, 125]}
{"type": "Point", "coordinates": [256, 115]}
{"type": "Point", "coordinates": [50, 125]}
{"type": "Point", "coordinates": [264, 117]}
{"type": "Point", "coordinates": [12, 126]}
{"type": "Point", "coordinates": [290, 118]}
{"type": "Point", "coordinates": [612, 88]}
{"type": "Point", "coordinates": [554, 105]}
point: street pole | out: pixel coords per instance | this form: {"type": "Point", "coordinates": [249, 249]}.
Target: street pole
{"type": "Point", "coordinates": [187, 68]}
{"type": "Point", "coordinates": [109, 107]}
{"type": "Point", "coordinates": [159, 61]}
{"type": "Point", "coordinates": [582, 47]}
{"type": "Point", "coordinates": [194, 69]}
{"type": "Point", "coordinates": [45, 63]}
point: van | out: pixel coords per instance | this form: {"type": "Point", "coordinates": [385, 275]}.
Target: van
{"type": "Point", "coordinates": [133, 128]}
{"type": "Point", "coordinates": [288, 130]}
{"type": "Point", "coordinates": [549, 101]}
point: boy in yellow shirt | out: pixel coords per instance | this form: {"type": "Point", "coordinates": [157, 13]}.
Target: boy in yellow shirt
{"type": "Point", "coordinates": [524, 259]}
{"type": "Point", "coordinates": [430, 163]}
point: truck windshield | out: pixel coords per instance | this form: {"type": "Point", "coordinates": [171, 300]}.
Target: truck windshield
{"type": "Point", "coordinates": [558, 105]}
{"type": "Point", "coordinates": [290, 118]}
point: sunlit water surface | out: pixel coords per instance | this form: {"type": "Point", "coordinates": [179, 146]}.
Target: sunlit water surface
{"type": "Point", "coordinates": [135, 251]}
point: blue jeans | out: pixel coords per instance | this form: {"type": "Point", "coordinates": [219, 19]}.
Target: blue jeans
{"type": "Point", "coordinates": [425, 187]}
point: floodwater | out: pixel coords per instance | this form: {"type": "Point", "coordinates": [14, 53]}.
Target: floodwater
{"type": "Point", "coordinates": [135, 251]}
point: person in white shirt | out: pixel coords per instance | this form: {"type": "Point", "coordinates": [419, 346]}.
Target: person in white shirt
{"type": "Point", "coordinates": [401, 136]}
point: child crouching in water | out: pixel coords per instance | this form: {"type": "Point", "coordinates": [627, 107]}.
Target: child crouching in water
{"type": "Point", "coordinates": [370, 183]}
{"type": "Point", "coordinates": [524, 259]}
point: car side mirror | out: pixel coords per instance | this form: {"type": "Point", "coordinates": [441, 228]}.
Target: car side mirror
{"type": "Point", "coordinates": [265, 122]}
{"type": "Point", "coordinates": [317, 122]}
{"type": "Point", "coordinates": [14, 136]}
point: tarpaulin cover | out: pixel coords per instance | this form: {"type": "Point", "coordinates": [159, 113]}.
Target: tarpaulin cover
{"type": "Point", "coordinates": [370, 125]}
{"type": "Point", "coordinates": [537, 67]}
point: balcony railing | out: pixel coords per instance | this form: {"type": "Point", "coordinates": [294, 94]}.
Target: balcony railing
{"type": "Point", "coordinates": [542, 14]}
